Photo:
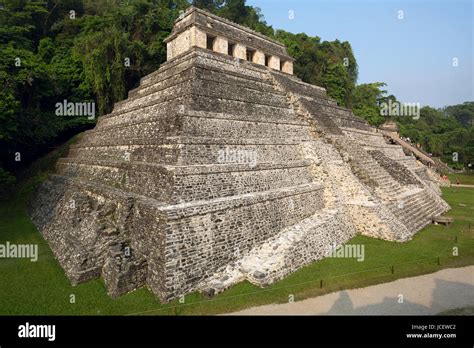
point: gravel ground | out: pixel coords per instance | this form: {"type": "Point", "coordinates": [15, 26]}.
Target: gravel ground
{"type": "Point", "coordinates": [422, 295]}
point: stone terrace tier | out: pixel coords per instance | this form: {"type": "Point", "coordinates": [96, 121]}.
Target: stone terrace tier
{"type": "Point", "coordinates": [218, 160]}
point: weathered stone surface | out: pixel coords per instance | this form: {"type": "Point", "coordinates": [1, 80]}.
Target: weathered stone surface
{"type": "Point", "coordinates": [123, 272]}
{"type": "Point", "coordinates": [216, 170]}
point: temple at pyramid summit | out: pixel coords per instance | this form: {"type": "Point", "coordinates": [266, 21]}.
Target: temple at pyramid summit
{"type": "Point", "coordinates": [222, 166]}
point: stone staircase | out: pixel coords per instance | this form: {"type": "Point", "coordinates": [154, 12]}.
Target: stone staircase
{"type": "Point", "coordinates": [205, 168]}
{"type": "Point", "coordinates": [206, 153]}
{"type": "Point", "coordinates": [311, 239]}
{"type": "Point", "coordinates": [416, 209]}
{"type": "Point", "coordinates": [391, 181]}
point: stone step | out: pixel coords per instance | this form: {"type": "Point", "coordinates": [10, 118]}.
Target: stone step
{"type": "Point", "coordinates": [181, 88]}
{"type": "Point", "coordinates": [186, 73]}
{"type": "Point", "coordinates": [381, 177]}
{"type": "Point", "coordinates": [323, 124]}
{"type": "Point", "coordinates": [215, 75]}
{"type": "Point", "coordinates": [392, 190]}
{"type": "Point", "coordinates": [209, 151]}
{"type": "Point", "coordinates": [165, 73]}
{"type": "Point", "coordinates": [398, 171]}
{"type": "Point", "coordinates": [288, 117]}
{"type": "Point", "coordinates": [307, 241]}
{"type": "Point", "coordinates": [195, 125]}
{"type": "Point", "coordinates": [207, 58]}
{"type": "Point", "coordinates": [301, 89]}
{"type": "Point", "coordinates": [418, 211]}
{"type": "Point", "coordinates": [424, 219]}
{"type": "Point", "coordinates": [177, 140]}
{"type": "Point", "coordinates": [236, 85]}
{"type": "Point", "coordinates": [199, 82]}
{"type": "Point", "coordinates": [156, 114]}
{"type": "Point", "coordinates": [199, 124]}
{"type": "Point", "coordinates": [208, 235]}
{"type": "Point", "coordinates": [297, 86]}
{"type": "Point", "coordinates": [427, 213]}
{"type": "Point", "coordinates": [297, 197]}
{"type": "Point", "coordinates": [335, 112]}
{"type": "Point", "coordinates": [148, 113]}
{"type": "Point", "coordinates": [212, 76]}
{"type": "Point", "coordinates": [189, 228]}
{"type": "Point", "coordinates": [313, 191]}
{"type": "Point", "coordinates": [370, 139]}
{"type": "Point", "coordinates": [167, 69]}
{"type": "Point", "coordinates": [210, 103]}
{"type": "Point", "coordinates": [161, 153]}
{"type": "Point", "coordinates": [416, 215]}
{"type": "Point", "coordinates": [171, 183]}
{"type": "Point", "coordinates": [388, 185]}
{"type": "Point", "coordinates": [231, 65]}
{"type": "Point", "coordinates": [243, 93]}
{"type": "Point", "coordinates": [378, 174]}
{"type": "Point", "coordinates": [408, 200]}
{"type": "Point", "coordinates": [320, 100]}
{"type": "Point", "coordinates": [413, 225]}
{"type": "Point", "coordinates": [151, 110]}
{"type": "Point", "coordinates": [169, 125]}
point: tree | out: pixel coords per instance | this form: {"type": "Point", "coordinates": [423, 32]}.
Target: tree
{"type": "Point", "coordinates": [331, 65]}
{"type": "Point", "coordinates": [47, 56]}
{"type": "Point", "coordinates": [367, 99]}
{"type": "Point", "coordinates": [464, 113]}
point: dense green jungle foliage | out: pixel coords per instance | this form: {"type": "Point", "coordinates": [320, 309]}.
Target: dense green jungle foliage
{"type": "Point", "coordinates": [95, 51]}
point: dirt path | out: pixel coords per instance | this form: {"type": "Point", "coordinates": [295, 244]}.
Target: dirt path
{"type": "Point", "coordinates": [427, 294]}
{"type": "Point", "coordinates": [462, 185]}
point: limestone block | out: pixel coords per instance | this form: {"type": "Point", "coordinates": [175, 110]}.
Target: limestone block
{"type": "Point", "coordinates": [259, 57]}
{"type": "Point", "coordinates": [274, 62]}
{"type": "Point", "coordinates": [184, 41]}
{"type": "Point", "coordinates": [209, 163]}
{"type": "Point", "coordinates": [287, 67]}
{"type": "Point", "coordinates": [240, 51]}
{"type": "Point", "coordinates": [221, 45]}
{"type": "Point", "coordinates": [198, 37]}
{"type": "Point", "coordinates": [170, 49]}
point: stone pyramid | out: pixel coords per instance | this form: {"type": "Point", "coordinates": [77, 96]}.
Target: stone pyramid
{"type": "Point", "coordinates": [222, 166]}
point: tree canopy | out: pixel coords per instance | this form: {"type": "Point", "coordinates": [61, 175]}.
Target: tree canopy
{"type": "Point", "coordinates": [86, 50]}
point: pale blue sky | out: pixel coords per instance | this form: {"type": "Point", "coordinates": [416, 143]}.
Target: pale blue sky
{"type": "Point", "coordinates": [414, 55]}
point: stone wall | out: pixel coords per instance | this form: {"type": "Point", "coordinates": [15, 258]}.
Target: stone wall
{"type": "Point", "coordinates": [216, 169]}
{"type": "Point", "coordinates": [195, 27]}
{"type": "Point", "coordinates": [396, 170]}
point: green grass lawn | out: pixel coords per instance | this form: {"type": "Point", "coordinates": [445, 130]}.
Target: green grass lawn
{"type": "Point", "coordinates": [465, 179]}
{"type": "Point", "coordinates": [459, 311]}
{"type": "Point", "coordinates": [41, 288]}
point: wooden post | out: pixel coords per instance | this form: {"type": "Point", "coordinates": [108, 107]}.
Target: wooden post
{"type": "Point", "coordinates": [321, 283]}
{"type": "Point", "coordinates": [438, 260]}
{"type": "Point", "coordinates": [393, 269]}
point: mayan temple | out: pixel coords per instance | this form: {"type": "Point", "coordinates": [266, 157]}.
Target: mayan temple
{"type": "Point", "coordinates": [222, 167]}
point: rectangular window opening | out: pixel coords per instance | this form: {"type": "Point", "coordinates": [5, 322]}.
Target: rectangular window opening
{"type": "Point", "coordinates": [250, 55]}
{"type": "Point", "coordinates": [267, 60]}
{"type": "Point", "coordinates": [210, 42]}
{"type": "Point", "coordinates": [231, 49]}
